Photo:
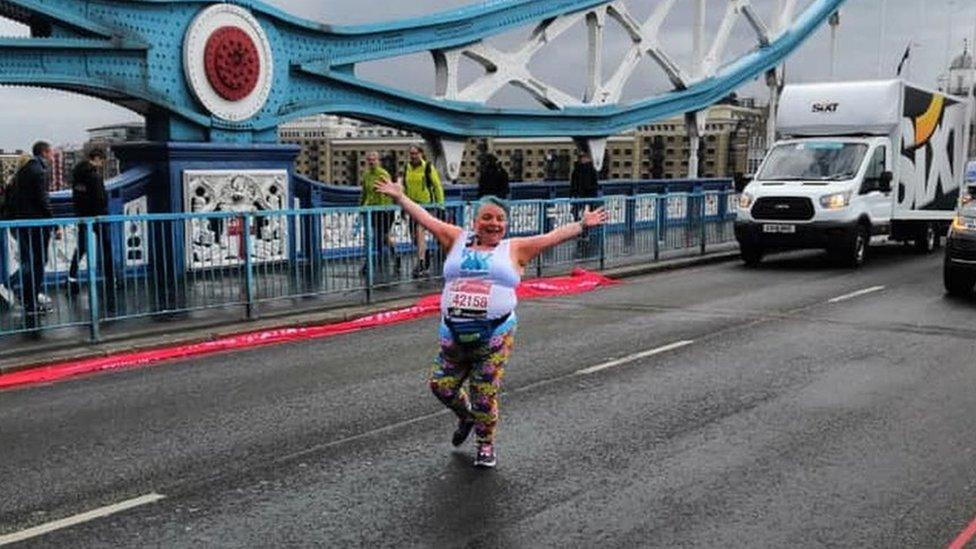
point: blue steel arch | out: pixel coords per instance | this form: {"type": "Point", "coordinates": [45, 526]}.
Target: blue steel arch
{"type": "Point", "coordinates": [129, 52]}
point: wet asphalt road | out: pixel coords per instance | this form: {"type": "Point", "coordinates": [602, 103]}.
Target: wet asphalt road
{"type": "Point", "coordinates": [789, 421]}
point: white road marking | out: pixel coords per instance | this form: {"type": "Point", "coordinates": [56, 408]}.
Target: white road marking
{"type": "Point", "coordinates": [858, 293]}
{"type": "Point", "coordinates": [79, 518]}
{"type": "Point", "coordinates": [633, 357]}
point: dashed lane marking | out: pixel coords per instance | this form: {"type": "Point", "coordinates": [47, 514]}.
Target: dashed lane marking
{"type": "Point", "coordinates": [79, 518]}
{"type": "Point", "coordinates": [858, 293]}
{"type": "Point", "coordinates": [633, 357]}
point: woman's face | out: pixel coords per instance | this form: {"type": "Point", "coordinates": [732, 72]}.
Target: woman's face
{"type": "Point", "coordinates": [490, 224]}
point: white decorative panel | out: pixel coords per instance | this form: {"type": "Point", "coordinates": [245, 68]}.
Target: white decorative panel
{"type": "Point", "coordinates": [711, 204]}
{"type": "Point", "coordinates": [732, 203]}
{"type": "Point", "coordinates": [136, 248]}
{"type": "Point", "coordinates": [13, 256]}
{"type": "Point", "coordinates": [59, 251]}
{"type": "Point", "coordinates": [645, 209]}
{"type": "Point", "coordinates": [342, 230]}
{"type": "Point", "coordinates": [220, 242]}
{"type": "Point", "coordinates": [616, 209]}
{"type": "Point", "coordinates": [677, 207]}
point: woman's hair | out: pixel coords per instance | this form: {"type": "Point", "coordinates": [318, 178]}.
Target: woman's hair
{"type": "Point", "coordinates": [494, 201]}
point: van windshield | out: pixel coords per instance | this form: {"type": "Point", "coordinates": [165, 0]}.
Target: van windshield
{"type": "Point", "coordinates": [816, 160]}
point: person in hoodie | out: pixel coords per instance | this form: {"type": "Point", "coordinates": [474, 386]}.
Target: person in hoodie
{"type": "Point", "coordinates": [90, 200]}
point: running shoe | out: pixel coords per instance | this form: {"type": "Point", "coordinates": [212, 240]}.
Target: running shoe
{"type": "Point", "coordinates": [463, 430]}
{"type": "Point", "coordinates": [486, 456]}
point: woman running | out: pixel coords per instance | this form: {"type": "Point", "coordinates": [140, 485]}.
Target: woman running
{"type": "Point", "coordinates": [477, 332]}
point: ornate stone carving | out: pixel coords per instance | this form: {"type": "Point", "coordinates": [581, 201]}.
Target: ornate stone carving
{"type": "Point", "coordinates": [219, 242]}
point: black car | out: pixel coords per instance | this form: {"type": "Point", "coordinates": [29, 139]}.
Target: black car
{"type": "Point", "coordinates": [959, 271]}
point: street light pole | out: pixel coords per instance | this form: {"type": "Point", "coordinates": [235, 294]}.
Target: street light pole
{"type": "Point", "coordinates": [948, 53]}
{"type": "Point", "coordinates": [972, 94]}
{"type": "Point", "coordinates": [834, 23]}
{"type": "Point", "coordinates": [881, 39]}
{"type": "Point", "coordinates": [694, 121]}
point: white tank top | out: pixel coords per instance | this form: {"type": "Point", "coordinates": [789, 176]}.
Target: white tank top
{"type": "Point", "coordinates": [479, 284]}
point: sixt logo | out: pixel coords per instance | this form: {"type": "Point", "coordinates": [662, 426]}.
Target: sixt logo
{"type": "Point", "coordinates": [825, 107]}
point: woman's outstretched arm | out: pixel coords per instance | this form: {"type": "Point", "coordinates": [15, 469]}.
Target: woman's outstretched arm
{"type": "Point", "coordinates": [445, 233]}
{"type": "Point", "coordinates": [526, 249]}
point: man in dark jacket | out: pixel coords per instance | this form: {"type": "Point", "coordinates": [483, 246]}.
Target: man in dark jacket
{"type": "Point", "coordinates": [29, 200]}
{"type": "Point", "coordinates": [584, 183]}
{"type": "Point", "coordinates": [90, 200]}
{"type": "Point", "coordinates": [493, 180]}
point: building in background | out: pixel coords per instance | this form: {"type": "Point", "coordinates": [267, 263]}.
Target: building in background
{"type": "Point", "coordinates": [107, 137]}
{"type": "Point", "coordinates": [315, 134]}
{"type": "Point", "coordinates": [333, 149]}
{"type": "Point", "coordinates": [8, 164]}
{"type": "Point", "coordinates": [60, 171]}
{"type": "Point", "coordinates": [734, 143]}
{"type": "Point", "coordinates": [59, 177]}
{"type": "Point", "coordinates": [959, 81]}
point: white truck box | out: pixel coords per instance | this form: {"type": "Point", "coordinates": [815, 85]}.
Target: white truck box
{"type": "Point", "coordinates": [905, 147]}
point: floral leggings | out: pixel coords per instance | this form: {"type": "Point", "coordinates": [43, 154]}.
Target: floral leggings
{"type": "Point", "coordinates": [484, 369]}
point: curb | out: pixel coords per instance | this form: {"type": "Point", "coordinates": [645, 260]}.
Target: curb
{"type": "Point", "coordinates": [159, 339]}
{"type": "Point", "coordinates": [672, 265]}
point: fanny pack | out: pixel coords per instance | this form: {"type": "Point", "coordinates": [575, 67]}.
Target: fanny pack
{"type": "Point", "coordinates": [471, 334]}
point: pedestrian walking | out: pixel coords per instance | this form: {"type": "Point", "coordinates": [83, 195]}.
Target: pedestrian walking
{"type": "Point", "coordinates": [477, 331]}
{"type": "Point", "coordinates": [422, 185]}
{"type": "Point", "coordinates": [28, 199]}
{"type": "Point", "coordinates": [493, 179]}
{"type": "Point", "coordinates": [90, 199]}
{"type": "Point", "coordinates": [6, 187]}
{"type": "Point", "coordinates": [584, 184]}
{"type": "Point", "coordinates": [381, 222]}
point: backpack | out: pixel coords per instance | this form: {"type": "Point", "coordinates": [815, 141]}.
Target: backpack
{"type": "Point", "coordinates": [429, 182]}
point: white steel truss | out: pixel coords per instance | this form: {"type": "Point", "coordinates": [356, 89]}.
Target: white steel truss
{"type": "Point", "coordinates": [512, 66]}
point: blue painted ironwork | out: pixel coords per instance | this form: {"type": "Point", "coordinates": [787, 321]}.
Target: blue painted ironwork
{"type": "Point", "coordinates": [332, 270]}
{"type": "Point", "coordinates": [130, 52]}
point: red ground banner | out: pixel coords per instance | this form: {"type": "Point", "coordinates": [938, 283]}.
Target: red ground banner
{"type": "Point", "coordinates": [579, 281]}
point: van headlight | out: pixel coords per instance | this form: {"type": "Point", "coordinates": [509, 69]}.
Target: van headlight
{"type": "Point", "coordinates": [745, 200]}
{"type": "Point", "coordinates": [835, 201]}
{"type": "Point", "coordinates": [964, 224]}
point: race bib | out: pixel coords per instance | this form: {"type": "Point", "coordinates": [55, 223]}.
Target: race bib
{"type": "Point", "coordinates": [468, 298]}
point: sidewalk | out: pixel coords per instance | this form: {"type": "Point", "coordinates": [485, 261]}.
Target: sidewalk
{"type": "Point", "coordinates": [149, 333]}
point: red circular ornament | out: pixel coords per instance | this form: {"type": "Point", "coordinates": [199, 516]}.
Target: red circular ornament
{"type": "Point", "coordinates": [232, 63]}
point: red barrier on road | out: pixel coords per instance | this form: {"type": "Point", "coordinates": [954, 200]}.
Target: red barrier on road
{"type": "Point", "coordinates": [579, 281]}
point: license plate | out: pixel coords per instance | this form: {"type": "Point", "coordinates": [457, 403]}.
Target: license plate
{"type": "Point", "coordinates": [779, 228]}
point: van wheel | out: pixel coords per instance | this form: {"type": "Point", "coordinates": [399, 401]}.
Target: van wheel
{"type": "Point", "coordinates": [927, 239]}
{"type": "Point", "coordinates": [751, 254]}
{"type": "Point", "coordinates": [958, 282]}
{"type": "Point", "coordinates": [856, 251]}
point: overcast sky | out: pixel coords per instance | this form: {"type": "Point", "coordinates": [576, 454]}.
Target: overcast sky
{"type": "Point", "coordinates": [26, 115]}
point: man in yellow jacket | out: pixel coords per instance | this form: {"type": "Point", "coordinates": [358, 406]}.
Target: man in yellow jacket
{"type": "Point", "coordinates": [380, 221]}
{"type": "Point", "coordinates": [422, 184]}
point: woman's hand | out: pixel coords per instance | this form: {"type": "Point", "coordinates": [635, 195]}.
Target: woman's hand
{"type": "Point", "coordinates": [393, 189]}
{"type": "Point", "coordinates": [595, 217]}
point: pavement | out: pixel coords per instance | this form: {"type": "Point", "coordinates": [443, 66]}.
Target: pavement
{"type": "Point", "coordinates": [798, 404]}
{"type": "Point", "coordinates": [19, 353]}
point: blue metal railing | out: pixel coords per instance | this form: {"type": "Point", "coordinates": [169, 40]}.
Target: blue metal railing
{"type": "Point", "coordinates": [160, 264]}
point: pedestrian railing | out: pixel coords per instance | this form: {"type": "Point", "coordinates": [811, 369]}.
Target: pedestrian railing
{"type": "Point", "coordinates": [165, 264]}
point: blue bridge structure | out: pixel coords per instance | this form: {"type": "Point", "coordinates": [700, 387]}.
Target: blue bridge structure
{"type": "Point", "coordinates": [214, 80]}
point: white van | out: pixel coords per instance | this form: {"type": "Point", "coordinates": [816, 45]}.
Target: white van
{"type": "Point", "coordinates": [856, 160]}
